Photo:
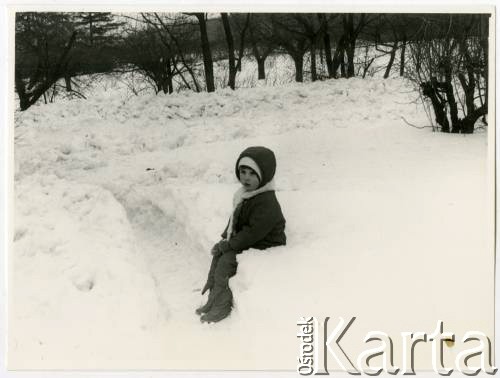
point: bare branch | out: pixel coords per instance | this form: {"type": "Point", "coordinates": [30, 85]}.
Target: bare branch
{"type": "Point", "coordinates": [415, 126]}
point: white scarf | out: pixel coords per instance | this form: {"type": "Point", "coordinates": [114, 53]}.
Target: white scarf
{"type": "Point", "coordinates": [240, 195]}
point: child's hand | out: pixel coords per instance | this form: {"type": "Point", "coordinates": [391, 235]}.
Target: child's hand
{"type": "Point", "coordinates": [223, 246]}
{"type": "Point", "coordinates": [220, 248]}
{"type": "Point", "coordinates": [215, 250]}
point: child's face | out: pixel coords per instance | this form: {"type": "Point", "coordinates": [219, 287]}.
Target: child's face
{"type": "Point", "coordinates": [248, 178]}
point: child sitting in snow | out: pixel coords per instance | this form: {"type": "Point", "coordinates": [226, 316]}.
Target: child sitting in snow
{"type": "Point", "coordinates": [256, 222]}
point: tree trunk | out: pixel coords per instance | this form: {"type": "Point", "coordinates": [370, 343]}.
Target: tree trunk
{"type": "Point", "coordinates": [349, 43]}
{"type": "Point", "coordinates": [391, 60]}
{"type": "Point", "coordinates": [430, 90]}
{"type": "Point", "coordinates": [170, 84]}
{"type": "Point", "coordinates": [350, 60]}
{"type": "Point", "coordinates": [24, 103]}
{"type": "Point", "coordinates": [402, 58]}
{"type": "Point", "coordinates": [351, 34]}
{"type": "Point", "coordinates": [450, 97]}
{"type": "Point", "coordinates": [470, 120]}
{"type": "Point", "coordinates": [327, 46]}
{"type": "Point", "coordinates": [67, 80]}
{"type": "Point", "coordinates": [207, 53]}
{"type": "Point", "coordinates": [182, 57]}
{"type": "Point", "coordinates": [21, 90]}
{"type": "Point", "coordinates": [314, 74]}
{"type": "Point", "coordinates": [299, 62]}
{"type": "Point", "coordinates": [338, 58]}
{"type": "Point", "coordinates": [468, 92]}
{"type": "Point", "coordinates": [241, 50]}
{"type": "Point", "coordinates": [261, 68]}
{"type": "Point", "coordinates": [469, 88]}
{"type": "Point", "coordinates": [230, 50]}
{"type": "Point", "coordinates": [485, 47]}
{"type": "Point", "coordinates": [328, 55]}
{"type": "Point", "coordinates": [418, 62]}
{"type": "Point", "coordinates": [467, 126]}
{"type": "Point", "coordinates": [367, 67]}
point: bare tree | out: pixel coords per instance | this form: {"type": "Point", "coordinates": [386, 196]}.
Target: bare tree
{"type": "Point", "coordinates": [339, 57]}
{"type": "Point", "coordinates": [392, 56]}
{"type": "Point", "coordinates": [207, 53]}
{"type": "Point", "coordinates": [396, 29]}
{"type": "Point", "coordinates": [44, 42]}
{"type": "Point", "coordinates": [290, 36]}
{"type": "Point", "coordinates": [312, 29]}
{"type": "Point", "coordinates": [175, 33]}
{"type": "Point", "coordinates": [94, 48]}
{"type": "Point", "coordinates": [367, 61]}
{"type": "Point", "coordinates": [259, 31]}
{"type": "Point", "coordinates": [230, 50]}
{"type": "Point", "coordinates": [242, 25]}
{"type": "Point", "coordinates": [353, 25]}
{"type": "Point", "coordinates": [324, 21]}
{"type": "Point", "coordinates": [449, 64]}
{"type": "Point", "coordinates": [149, 56]}
{"type": "Point", "coordinates": [402, 55]}
{"type": "Point", "coordinates": [386, 43]}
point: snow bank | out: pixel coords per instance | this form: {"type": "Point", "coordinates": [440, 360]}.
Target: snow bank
{"type": "Point", "coordinates": [77, 274]}
{"type": "Point", "coordinates": [119, 200]}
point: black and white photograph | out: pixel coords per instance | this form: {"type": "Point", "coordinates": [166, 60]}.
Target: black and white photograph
{"type": "Point", "coordinates": [202, 189]}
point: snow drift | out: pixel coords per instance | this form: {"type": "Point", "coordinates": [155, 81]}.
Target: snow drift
{"type": "Point", "coordinates": [118, 202]}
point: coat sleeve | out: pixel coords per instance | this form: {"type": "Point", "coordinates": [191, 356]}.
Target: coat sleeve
{"type": "Point", "coordinates": [224, 233]}
{"type": "Point", "coordinates": [261, 222]}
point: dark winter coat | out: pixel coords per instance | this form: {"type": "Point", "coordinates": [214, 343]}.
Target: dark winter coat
{"type": "Point", "coordinates": [259, 223]}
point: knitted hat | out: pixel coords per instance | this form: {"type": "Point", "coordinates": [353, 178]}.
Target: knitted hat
{"type": "Point", "coordinates": [246, 161]}
{"type": "Point", "coordinates": [263, 158]}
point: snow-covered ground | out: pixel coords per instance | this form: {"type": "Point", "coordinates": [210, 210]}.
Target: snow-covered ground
{"type": "Point", "coordinates": [119, 199]}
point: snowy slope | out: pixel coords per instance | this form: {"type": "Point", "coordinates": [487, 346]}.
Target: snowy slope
{"type": "Point", "coordinates": [119, 200]}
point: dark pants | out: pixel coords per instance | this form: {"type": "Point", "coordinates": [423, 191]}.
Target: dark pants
{"type": "Point", "coordinates": [220, 298]}
{"type": "Point", "coordinates": [222, 268]}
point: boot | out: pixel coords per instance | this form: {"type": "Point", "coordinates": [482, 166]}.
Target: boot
{"type": "Point", "coordinates": [211, 273]}
{"type": "Point", "coordinates": [220, 307]}
{"type": "Point", "coordinates": [214, 317]}
{"type": "Point", "coordinates": [208, 286]}
{"type": "Point", "coordinates": [207, 306]}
